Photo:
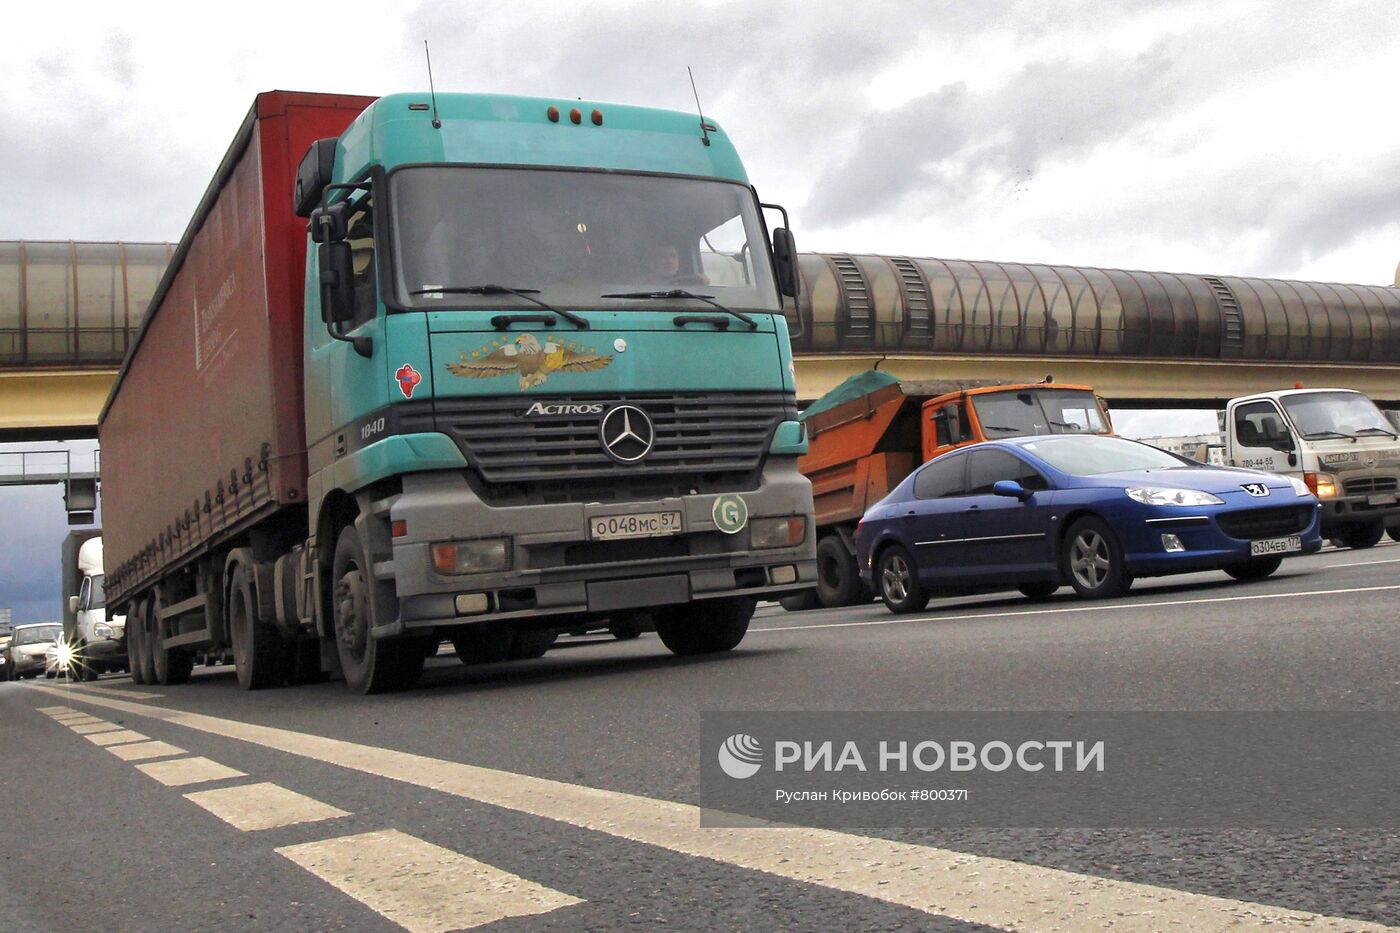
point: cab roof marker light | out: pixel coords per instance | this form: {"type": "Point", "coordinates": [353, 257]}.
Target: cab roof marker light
{"type": "Point", "coordinates": [576, 116]}
{"type": "Point", "coordinates": [597, 118]}
{"type": "Point", "coordinates": [552, 113]}
{"type": "Point", "coordinates": [418, 107]}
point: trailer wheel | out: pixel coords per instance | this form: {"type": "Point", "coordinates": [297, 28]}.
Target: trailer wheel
{"type": "Point", "coordinates": [704, 627]}
{"type": "Point", "coordinates": [257, 645]}
{"type": "Point", "coordinates": [359, 602]}
{"type": "Point", "coordinates": [147, 626]}
{"type": "Point", "coordinates": [133, 644]}
{"type": "Point", "coordinates": [172, 666]}
{"type": "Point", "coordinates": [1361, 536]}
{"type": "Point", "coordinates": [838, 578]}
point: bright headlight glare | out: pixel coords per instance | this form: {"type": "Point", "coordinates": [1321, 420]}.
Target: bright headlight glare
{"type": "Point", "coordinates": [1160, 495]}
{"type": "Point", "coordinates": [1299, 487]}
{"type": "Point", "coordinates": [481, 556]}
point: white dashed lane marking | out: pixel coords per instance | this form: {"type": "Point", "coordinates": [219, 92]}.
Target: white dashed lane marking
{"type": "Point", "coordinates": [95, 727]}
{"type": "Point", "coordinates": [251, 807]}
{"type": "Point", "coordinates": [182, 771]}
{"type": "Point", "coordinates": [973, 888]}
{"type": "Point", "coordinates": [116, 738]}
{"type": "Point", "coordinates": [422, 887]}
{"type": "Point", "coordinates": [140, 751]}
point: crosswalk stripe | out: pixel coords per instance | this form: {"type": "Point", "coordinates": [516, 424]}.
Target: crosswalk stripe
{"type": "Point", "coordinates": [182, 771]}
{"type": "Point", "coordinates": [111, 691]}
{"type": "Point", "coordinates": [974, 888]}
{"type": "Point", "coordinates": [89, 728]}
{"type": "Point", "coordinates": [55, 710]}
{"type": "Point", "coordinates": [263, 806]}
{"type": "Point", "coordinates": [76, 719]}
{"type": "Point", "coordinates": [420, 886]}
{"type": "Point", "coordinates": [140, 751]}
{"type": "Point", "coordinates": [116, 738]}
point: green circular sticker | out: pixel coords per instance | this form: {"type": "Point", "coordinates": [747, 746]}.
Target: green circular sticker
{"type": "Point", "coordinates": [731, 514]}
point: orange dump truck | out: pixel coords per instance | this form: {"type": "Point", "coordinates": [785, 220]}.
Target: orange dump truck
{"type": "Point", "coordinates": [870, 432]}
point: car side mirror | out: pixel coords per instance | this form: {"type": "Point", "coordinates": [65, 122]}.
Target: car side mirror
{"type": "Point", "coordinates": [72, 604]}
{"type": "Point", "coordinates": [1011, 489]}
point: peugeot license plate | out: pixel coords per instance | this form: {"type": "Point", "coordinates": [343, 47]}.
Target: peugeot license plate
{"type": "Point", "coordinates": [1275, 546]}
{"type": "Point", "coordinates": [637, 525]}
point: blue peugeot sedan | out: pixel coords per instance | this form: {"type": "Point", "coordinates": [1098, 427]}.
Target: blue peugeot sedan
{"type": "Point", "coordinates": [1094, 512]}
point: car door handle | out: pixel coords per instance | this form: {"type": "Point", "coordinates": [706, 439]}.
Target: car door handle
{"type": "Point", "coordinates": [974, 508]}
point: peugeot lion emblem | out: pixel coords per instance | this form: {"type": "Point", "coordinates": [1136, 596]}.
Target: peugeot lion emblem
{"type": "Point", "coordinates": [1257, 490]}
{"type": "Point", "coordinates": [627, 433]}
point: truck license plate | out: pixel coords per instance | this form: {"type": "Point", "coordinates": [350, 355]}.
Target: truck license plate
{"type": "Point", "coordinates": [1387, 498]}
{"type": "Point", "coordinates": [639, 525]}
{"type": "Point", "coordinates": [1275, 546]}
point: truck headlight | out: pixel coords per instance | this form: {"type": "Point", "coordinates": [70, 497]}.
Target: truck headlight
{"type": "Point", "coordinates": [1322, 485]}
{"type": "Point", "coordinates": [102, 630]}
{"type": "Point", "coordinates": [1299, 487]}
{"type": "Point", "coordinates": [1160, 495]}
{"type": "Point", "coordinates": [483, 555]}
{"type": "Point", "coordinates": [777, 532]}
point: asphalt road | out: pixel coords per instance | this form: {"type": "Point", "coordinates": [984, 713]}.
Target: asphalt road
{"type": "Point", "coordinates": [558, 793]}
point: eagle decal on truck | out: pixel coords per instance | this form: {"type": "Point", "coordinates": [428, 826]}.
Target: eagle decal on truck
{"type": "Point", "coordinates": [526, 357]}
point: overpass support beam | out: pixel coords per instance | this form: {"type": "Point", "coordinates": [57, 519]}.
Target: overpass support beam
{"type": "Point", "coordinates": [52, 404]}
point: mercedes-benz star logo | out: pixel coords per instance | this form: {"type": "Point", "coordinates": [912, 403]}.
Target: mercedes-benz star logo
{"type": "Point", "coordinates": [627, 433]}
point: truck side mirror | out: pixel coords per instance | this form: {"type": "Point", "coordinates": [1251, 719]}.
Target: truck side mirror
{"type": "Point", "coordinates": [330, 223]}
{"type": "Point", "coordinates": [785, 261]}
{"type": "Point", "coordinates": [337, 283]}
{"type": "Point", "coordinates": [952, 417]}
{"type": "Point", "coordinates": [313, 174]}
{"type": "Point", "coordinates": [72, 604]}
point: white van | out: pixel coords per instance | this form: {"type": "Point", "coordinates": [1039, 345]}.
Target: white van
{"type": "Point", "coordinates": [99, 643]}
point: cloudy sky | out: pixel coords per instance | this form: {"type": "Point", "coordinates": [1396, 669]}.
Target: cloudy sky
{"type": "Point", "coordinates": [1228, 136]}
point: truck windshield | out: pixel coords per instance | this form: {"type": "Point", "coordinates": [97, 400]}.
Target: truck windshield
{"type": "Point", "coordinates": [1039, 411]}
{"type": "Point", "coordinates": [575, 236]}
{"type": "Point", "coordinates": [97, 598]}
{"type": "Point", "coordinates": [1328, 414]}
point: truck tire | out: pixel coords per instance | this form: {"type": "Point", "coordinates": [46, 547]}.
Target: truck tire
{"type": "Point", "coordinates": [359, 602]}
{"type": "Point", "coordinates": [626, 626]}
{"type": "Point", "coordinates": [147, 626]}
{"type": "Point", "coordinates": [1256, 569]}
{"type": "Point", "coordinates": [838, 579]}
{"type": "Point", "coordinates": [1092, 560]}
{"type": "Point", "coordinates": [87, 667]}
{"type": "Point", "coordinates": [172, 666]}
{"type": "Point", "coordinates": [704, 627]}
{"type": "Point", "coordinates": [481, 644]}
{"type": "Point", "coordinates": [133, 644]}
{"type": "Point", "coordinates": [526, 646]}
{"type": "Point", "coordinates": [1393, 532]}
{"type": "Point", "coordinates": [258, 651]}
{"type": "Point", "coordinates": [801, 602]}
{"type": "Point", "coordinates": [897, 577]}
{"type": "Point", "coordinates": [1360, 537]}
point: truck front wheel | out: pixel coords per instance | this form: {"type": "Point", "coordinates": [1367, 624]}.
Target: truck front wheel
{"type": "Point", "coordinates": [359, 603]}
{"type": "Point", "coordinates": [704, 627]}
{"type": "Point", "coordinates": [838, 578]}
{"type": "Point", "coordinates": [1393, 532]}
{"type": "Point", "coordinates": [1361, 536]}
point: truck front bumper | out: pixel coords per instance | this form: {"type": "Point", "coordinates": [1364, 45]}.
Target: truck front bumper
{"type": "Point", "coordinates": [1343, 511]}
{"type": "Point", "coordinates": [556, 569]}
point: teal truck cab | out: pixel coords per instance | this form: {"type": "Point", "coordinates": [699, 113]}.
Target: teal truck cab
{"type": "Point", "coordinates": [480, 368]}
{"type": "Point", "coordinates": [545, 351]}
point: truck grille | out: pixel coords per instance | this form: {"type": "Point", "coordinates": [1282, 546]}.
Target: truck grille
{"type": "Point", "coordinates": [1368, 484]}
{"type": "Point", "coordinates": [697, 437]}
{"type": "Point", "coordinates": [1250, 524]}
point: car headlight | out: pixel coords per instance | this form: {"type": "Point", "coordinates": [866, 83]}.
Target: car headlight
{"type": "Point", "coordinates": [1161, 495]}
{"type": "Point", "coordinates": [102, 630]}
{"type": "Point", "coordinates": [481, 556]}
{"type": "Point", "coordinates": [1299, 487]}
{"type": "Point", "coordinates": [777, 532]}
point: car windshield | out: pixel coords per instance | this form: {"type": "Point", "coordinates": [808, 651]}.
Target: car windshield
{"type": "Point", "coordinates": [1039, 411]}
{"type": "Point", "coordinates": [1325, 413]}
{"type": "Point", "coordinates": [1091, 456]}
{"type": "Point", "coordinates": [571, 237]}
{"type": "Point", "coordinates": [38, 634]}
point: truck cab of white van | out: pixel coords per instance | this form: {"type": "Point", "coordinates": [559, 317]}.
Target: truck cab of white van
{"type": "Point", "coordinates": [1335, 440]}
{"type": "Point", "coordinates": [99, 643]}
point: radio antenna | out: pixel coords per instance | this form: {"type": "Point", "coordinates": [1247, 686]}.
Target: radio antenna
{"type": "Point", "coordinates": [705, 128]}
{"type": "Point", "coordinates": [432, 92]}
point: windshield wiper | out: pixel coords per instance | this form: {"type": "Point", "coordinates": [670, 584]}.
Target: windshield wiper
{"type": "Point", "coordinates": [504, 319]}
{"type": "Point", "coordinates": [682, 293]}
{"type": "Point", "coordinates": [1000, 427]}
{"type": "Point", "coordinates": [1378, 431]}
{"type": "Point", "coordinates": [1317, 435]}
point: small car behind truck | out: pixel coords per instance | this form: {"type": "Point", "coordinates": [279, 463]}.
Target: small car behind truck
{"type": "Point", "coordinates": [24, 656]}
